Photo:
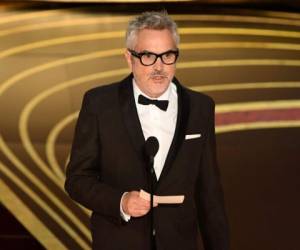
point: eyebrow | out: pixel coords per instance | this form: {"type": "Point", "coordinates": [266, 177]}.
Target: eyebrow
{"type": "Point", "coordinates": [147, 51]}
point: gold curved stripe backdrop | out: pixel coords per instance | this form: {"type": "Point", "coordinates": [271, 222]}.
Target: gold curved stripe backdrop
{"type": "Point", "coordinates": [249, 64]}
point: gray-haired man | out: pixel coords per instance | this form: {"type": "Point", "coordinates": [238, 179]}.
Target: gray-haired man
{"type": "Point", "coordinates": [107, 167]}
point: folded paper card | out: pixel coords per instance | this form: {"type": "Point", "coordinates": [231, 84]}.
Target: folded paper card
{"type": "Point", "coordinates": [172, 199]}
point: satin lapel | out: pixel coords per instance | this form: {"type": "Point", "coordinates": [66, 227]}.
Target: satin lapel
{"type": "Point", "coordinates": [130, 115]}
{"type": "Point", "coordinates": [180, 130]}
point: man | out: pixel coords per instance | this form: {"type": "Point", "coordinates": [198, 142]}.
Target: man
{"type": "Point", "coordinates": [107, 168]}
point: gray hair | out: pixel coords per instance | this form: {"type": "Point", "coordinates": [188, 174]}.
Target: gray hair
{"type": "Point", "coordinates": [150, 20]}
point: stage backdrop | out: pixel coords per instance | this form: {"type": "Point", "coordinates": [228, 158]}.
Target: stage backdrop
{"type": "Point", "coordinates": [247, 60]}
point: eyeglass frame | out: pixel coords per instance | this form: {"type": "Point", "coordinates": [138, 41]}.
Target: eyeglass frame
{"type": "Point", "coordinates": [139, 56]}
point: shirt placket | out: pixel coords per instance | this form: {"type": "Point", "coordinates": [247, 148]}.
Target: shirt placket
{"type": "Point", "coordinates": [156, 132]}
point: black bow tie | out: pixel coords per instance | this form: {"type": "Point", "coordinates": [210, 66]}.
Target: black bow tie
{"type": "Point", "coordinates": [162, 104]}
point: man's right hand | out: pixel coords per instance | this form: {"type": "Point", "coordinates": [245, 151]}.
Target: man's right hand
{"type": "Point", "coordinates": [134, 205]}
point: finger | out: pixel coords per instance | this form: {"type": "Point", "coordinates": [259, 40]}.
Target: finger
{"type": "Point", "coordinates": [139, 213]}
{"type": "Point", "coordinates": [155, 204]}
{"type": "Point", "coordinates": [141, 208]}
{"type": "Point", "coordinates": [142, 203]}
{"type": "Point", "coordinates": [137, 207]}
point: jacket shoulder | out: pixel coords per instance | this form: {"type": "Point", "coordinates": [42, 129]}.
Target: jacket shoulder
{"type": "Point", "coordinates": [100, 91]}
{"type": "Point", "coordinates": [199, 98]}
{"type": "Point", "coordinates": [101, 97]}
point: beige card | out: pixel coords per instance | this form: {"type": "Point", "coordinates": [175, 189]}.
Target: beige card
{"type": "Point", "coordinates": [172, 199]}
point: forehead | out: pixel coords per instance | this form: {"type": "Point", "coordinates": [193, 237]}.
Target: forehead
{"type": "Point", "coordinates": [154, 40]}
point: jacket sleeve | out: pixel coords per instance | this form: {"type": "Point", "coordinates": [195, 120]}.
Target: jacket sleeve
{"type": "Point", "coordinates": [210, 203]}
{"type": "Point", "coordinates": [83, 174]}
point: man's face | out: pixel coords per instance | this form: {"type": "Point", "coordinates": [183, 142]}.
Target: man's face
{"type": "Point", "coordinates": [152, 80]}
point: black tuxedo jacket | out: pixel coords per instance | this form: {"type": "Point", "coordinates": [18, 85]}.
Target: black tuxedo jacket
{"type": "Point", "coordinates": [107, 160]}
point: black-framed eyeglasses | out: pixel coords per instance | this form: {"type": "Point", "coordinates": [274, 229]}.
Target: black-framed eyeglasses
{"type": "Point", "coordinates": [149, 58]}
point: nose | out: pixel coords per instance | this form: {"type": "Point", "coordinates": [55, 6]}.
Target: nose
{"type": "Point", "coordinates": [158, 65]}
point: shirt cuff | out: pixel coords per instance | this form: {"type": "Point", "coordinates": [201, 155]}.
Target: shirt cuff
{"type": "Point", "coordinates": [124, 216]}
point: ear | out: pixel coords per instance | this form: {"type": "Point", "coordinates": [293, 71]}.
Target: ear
{"type": "Point", "coordinates": [128, 58]}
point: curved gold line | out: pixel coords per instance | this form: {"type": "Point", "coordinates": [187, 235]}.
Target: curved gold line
{"type": "Point", "coordinates": [50, 142]}
{"type": "Point", "coordinates": [261, 105]}
{"type": "Point", "coordinates": [61, 40]}
{"type": "Point", "coordinates": [36, 14]}
{"type": "Point", "coordinates": [52, 137]}
{"type": "Point", "coordinates": [63, 23]}
{"type": "Point", "coordinates": [26, 16]}
{"type": "Point", "coordinates": [67, 159]}
{"type": "Point", "coordinates": [240, 45]}
{"type": "Point", "coordinates": [37, 69]}
{"type": "Point", "coordinates": [236, 18]}
{"type": "Point", "coordinates": [238, 63]}
{"type": "Point", "coordinates": [119, 34]}
{"type": "Point", "coordinates": [241, 86]}
{"type": "Point", "coordinates": [118, 19]}
{"type": "Point", "coordinates": [289, 15]}
{"type": "Point", "coordinates": [28, 219]}
{"type": "Point", "coordinates": [56, 217]}
{"type": "Point", "coordinates": [240, 31]}
{"type": "Point", "coordinates": [256, 125]}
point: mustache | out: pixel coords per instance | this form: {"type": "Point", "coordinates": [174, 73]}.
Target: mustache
{"type": "Point", "coordinates": [158, 73]}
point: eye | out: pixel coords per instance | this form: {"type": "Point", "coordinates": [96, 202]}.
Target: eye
{"type": "Point", "coordinates": [148, 55]}
{"type": "Point", "coordinates": [169, 54]}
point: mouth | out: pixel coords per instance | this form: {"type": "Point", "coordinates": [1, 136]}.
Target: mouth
{"type": "Point", "coordinates": [158, 78]}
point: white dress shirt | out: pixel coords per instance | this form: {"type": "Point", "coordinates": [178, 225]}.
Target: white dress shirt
{"type": "Point", "coordinates": [158, 123]}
